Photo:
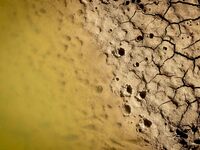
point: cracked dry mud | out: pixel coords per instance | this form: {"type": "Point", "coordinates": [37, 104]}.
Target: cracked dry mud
{"type": "Point", "coordinates": [154, 47]}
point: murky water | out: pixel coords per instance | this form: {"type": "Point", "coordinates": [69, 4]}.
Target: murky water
{"type": "Point", "coordinates": [54, 91]}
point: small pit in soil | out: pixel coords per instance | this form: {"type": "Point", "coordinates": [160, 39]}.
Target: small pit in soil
{"type": "Point", "coordinates": [147, 123]}
{"type": "Point", "coordinates": [121, 51]}
{"type": "Point", "coordinates": [127, 108]}
{"type": "Point", "coordinates": [143, 94]}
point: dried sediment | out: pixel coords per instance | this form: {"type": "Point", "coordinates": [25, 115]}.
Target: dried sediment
{"type": "Point", "coordinates": [154, 47]}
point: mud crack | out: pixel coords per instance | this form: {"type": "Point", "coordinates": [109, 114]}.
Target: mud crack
{"type": "Point", "coordinates": [155, 47]}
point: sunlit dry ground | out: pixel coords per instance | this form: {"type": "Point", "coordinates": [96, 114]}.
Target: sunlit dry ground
{"type": "Point", "coordinates": [154, 46]}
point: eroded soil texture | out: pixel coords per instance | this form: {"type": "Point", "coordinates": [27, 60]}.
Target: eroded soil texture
{"type": "Point", "coordinates": [154, 47]}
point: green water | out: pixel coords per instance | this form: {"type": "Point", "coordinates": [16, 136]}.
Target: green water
{"type": "Point", "coordinates": [54, 92]}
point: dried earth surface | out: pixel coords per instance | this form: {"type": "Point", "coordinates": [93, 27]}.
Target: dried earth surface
{"type": "Point", "coordinates": [154, 48]}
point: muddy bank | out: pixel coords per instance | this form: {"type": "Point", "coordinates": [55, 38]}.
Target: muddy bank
{"type": "Point", "coordinates": [154, 47]}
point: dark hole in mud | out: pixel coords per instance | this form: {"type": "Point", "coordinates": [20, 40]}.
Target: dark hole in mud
{"type": "Point", "coordinates": [129, 89]}
{"type": "Point", "coordinates": [143, 94]}
{"type": "Point", "coordinates": [119, 124]}
{"type": "Point", "coordinates": [127, 3]}
{"type": "Point", "coordinates": [165, 48]}
{"type": "Point", "coordinates": [109, 106]}
{"type": "Point", "coordinates": [140, 38]}
{"type": "Point", "coordinates": [194, 128]}
{"type": "Point", "coordinates": [181, 133]}
{"type": "Point", "coordinates": [137, 64]}
{"type": "Point", "coordinates": [197, 141]}
{"type": "Point", "coordinates": [127, 108]}
{"type": "Point", "coordinates": [121, 51]}
{"type": "Point", "coordinates": [100, 29]}
{"type": "Point", "coordinates": [151, 35]}
{"type": "Point", "coordinates": [164, 148]}
{"type": "Point", "coordinates": [146, 59]}
{"type": "Point", "coordinates": [141, 6]}
{"type": "Point", "coordinates": [117, 79]}
{"type": "Point", "coordinates": [138, 1]}
{"type": "Point", "coordinates": [156, 2]}
{"type": "Point", "coordinates": [133, 1]}
{"type": "Point", "coordinates": [99, 89]}
{"type": "Point", "coordinates": [147, 123]}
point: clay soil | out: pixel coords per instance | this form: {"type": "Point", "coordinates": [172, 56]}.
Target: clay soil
{"type": "Point", "coordinates": [154, 48]}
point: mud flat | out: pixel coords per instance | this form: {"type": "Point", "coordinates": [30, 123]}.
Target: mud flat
{"type": "Point", "coordinates": [154, 48]}
{"type": "Point", "coordinates": [54, 91]}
